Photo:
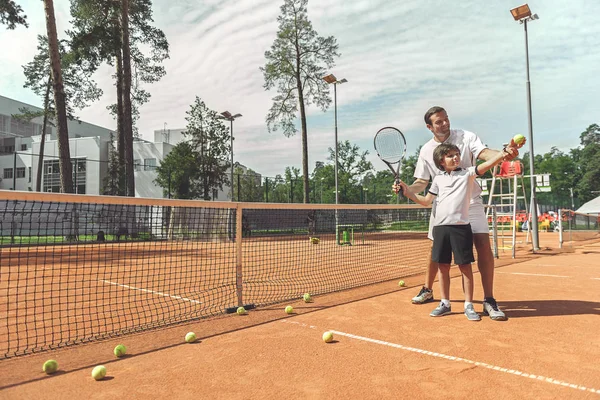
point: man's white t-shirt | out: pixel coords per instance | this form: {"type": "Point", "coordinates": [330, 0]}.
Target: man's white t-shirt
{"type": "Point", "coordinates": [469, 144]}
{"type": "Point", "coordinates": [452, 191]}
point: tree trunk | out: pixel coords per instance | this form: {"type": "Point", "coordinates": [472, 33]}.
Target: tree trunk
{"type": "Point", "coordinates": [38, 181]}
{"type": "Point", "coordinates": [66, 169]}
{"type": "Point", "coordinates": [306, 188]}
{"type": "Point", "coordinates": [127, 119]}
{"type": "Point", "coordinates": [120, 132]}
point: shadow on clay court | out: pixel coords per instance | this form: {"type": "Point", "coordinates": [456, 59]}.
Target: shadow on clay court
{"type": "Point", "coordinates": [548, 308]}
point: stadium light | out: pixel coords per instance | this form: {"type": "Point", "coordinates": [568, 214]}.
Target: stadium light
{"type": "Point", "coordinates": [522, 14]}
{"type": "Point", "coordinates": [227, 116]}
{"type": "Point", "coordinates": [331, 79]}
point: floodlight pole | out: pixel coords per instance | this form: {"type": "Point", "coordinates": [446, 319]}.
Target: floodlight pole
{"type": "Point", "coordinates": [522, 14]}
{"type": "Point", "coordinates": [534, 217]}
{"type": "Point", "coordinates": [230, 117]}
{"type": "Point", "coordinates": [331, 79]}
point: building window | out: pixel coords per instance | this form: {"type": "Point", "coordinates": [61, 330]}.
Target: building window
{"type": "Point", "coordinates": [137, 165]}
{"type": "Point", "coordinates": [80, 165]}
{"type": "Point", "coordinates": [30, 174]}
{"type": "Point", "coordinates": [149, 164]}
{"type": "Point", "coordinates": [7, 149]}
{"type": "Point", "coordinates": [21, 172]}
{"type": "Point", "coordinates": [4, 123]}
{"type": "Point", "coordinates": [8, 173]}
{"type": "Point", "coordinates": [23, 147]}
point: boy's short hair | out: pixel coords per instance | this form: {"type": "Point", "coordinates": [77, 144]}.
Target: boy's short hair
{"type": "Point", "coordinates": [441, 151]}
{"type": "Point", "coordinates": [430, 112]}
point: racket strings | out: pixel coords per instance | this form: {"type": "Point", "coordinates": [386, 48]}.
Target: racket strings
{"type": "Point", "coordinates": [390, 145]}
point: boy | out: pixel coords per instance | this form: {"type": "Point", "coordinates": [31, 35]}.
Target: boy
{"type": "Point", "coordinates": [452, 231]}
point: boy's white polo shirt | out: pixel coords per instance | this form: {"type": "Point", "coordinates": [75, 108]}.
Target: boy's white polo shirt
{"type": "Point", "coordinates": [453, 193]}
{"type": "Point", "coordinates": [469, 144]}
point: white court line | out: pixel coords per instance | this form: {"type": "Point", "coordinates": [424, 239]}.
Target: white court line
{"type": "Point", "coordinates": [152, 291]}
{"type": "Point", "coordinates": [523, 273]}
{"type": "Point", "coordinates": [459, 359]}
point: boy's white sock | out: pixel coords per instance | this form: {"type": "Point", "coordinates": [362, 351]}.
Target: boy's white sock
{"type": "Point", "coordinates": [467, 303]}
{"type": "Point", "coordinates": [446, 302]}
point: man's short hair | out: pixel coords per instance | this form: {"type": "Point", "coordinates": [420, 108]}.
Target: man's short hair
{"type": "Point", "coordinates": [441, 151]}
{"type": "Point", "coordinates": [431, 111]}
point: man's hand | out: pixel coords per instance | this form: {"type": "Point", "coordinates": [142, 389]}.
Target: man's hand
{"type": "Point", "coordinates": [511, 151]}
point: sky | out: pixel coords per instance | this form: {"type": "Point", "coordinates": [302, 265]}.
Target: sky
{"type": "Point", "coordinates": [399, 58]}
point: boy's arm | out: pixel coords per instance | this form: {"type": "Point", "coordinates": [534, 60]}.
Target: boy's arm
{"type": "Point", "coordinates": [418, 186]}
{"type": "Point", "coordinates": [417, 198]}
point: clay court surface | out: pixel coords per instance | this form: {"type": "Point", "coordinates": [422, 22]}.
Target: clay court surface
{"type": "Point", "coordinates": [384, 346]}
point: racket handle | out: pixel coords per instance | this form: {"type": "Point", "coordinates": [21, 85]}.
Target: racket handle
{"type": "Point", "coordinates": [400, 192]}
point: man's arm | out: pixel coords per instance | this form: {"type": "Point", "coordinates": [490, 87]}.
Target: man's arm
{"type": "Point", "coordinates": [488, 154]}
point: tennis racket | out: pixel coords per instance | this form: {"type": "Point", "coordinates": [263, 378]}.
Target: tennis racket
{"type": "Point", "coordinates": [390, 146]}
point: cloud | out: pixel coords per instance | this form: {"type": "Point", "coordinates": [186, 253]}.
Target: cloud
{"type": "Point", "coordinates": [400, 58]}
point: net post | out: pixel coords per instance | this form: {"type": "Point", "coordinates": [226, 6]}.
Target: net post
{"type": "Point", "coordinates": [238, 254]}
{"type": "Point", "coordinates": [560, 228]}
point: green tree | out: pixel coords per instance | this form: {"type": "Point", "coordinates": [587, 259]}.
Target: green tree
{"type": "Point", "coordinates": [296, 64]}
{"type": "Point", "coordinates": [79, 89]}
{"type": "Point", "coordinates": [247, 186]}
{"type": "Point", "coordinates": [352, 166]}
{"type": "Point", "coordinates": [210, 138]}
{"type": "Point", "coordinates": [65, 166]}
{"type": "Point", "coordinates": [590, 135]}
{"type": "Point", "coordinates": [113, 181]}
{"type": "Point", "coordinates": [120, 33]}
{"type": "Point", "coordinates": [178, 173]}
{"type": "Point", "coordinates": [11, 14]}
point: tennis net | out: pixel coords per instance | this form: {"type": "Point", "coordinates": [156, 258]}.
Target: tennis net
{"type": "Point", "coordinates": [77, 268]}
{"type": "Point", "coordinates": [574, 226]}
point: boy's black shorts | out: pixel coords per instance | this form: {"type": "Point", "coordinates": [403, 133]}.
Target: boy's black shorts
{"type": "Point", "coordinates": [448, 239]}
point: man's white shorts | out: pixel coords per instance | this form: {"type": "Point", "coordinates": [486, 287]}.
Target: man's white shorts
{"type": "Point", "coordinates": [477, 218]}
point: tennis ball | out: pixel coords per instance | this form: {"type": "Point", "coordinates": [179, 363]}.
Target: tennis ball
{"type": "Point", "coordinates": [307, 297]}
{"type": "Point", "coordinates": [401, 283]}
{"type": "Point", "coordinates": [518, 139]}
{"type": "Point", "coordinates": [289, 310]}
{"type": "Point", "coordinates": [241, 310]}
{"type": "Point", "coordinates": [99, 372]}
{"type": "Point", "coordinates": [190, 337]}
{"type": "Point", "coordinates": [120, 350]}
{"type": "Point", "coordinates": [328, 337]}
{"type": "Point", "coordinates": [50, 367]}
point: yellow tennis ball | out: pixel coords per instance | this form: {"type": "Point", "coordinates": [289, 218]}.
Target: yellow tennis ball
{"type": "Point", "coordinates": [289, 310]}
{"type": "Point", "coordinates": [307, 297]}
{"type": "Point", "coordinates": [120, 350]}
{"type": "Point", "coordinates": [99, 372]}
{"type": "Point", "coordinates": [328, 337]}
{"type": "Point", "coordinates": [241, 310]}
{"type": "Point", "coordinates": [50, 367]}
{"type": "Point", "coordinates": [401, 283]}
{"type": "Point", "coordinates": [518, 139]}
{"type": "Point", "coordinates": [190, 337]}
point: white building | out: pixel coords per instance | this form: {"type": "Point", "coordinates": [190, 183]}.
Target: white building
{"type": "Point", "coordinates": [89, 147]}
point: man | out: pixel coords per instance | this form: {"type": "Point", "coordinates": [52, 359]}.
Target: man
{"type": "Point", "coordinates": [471, 148]}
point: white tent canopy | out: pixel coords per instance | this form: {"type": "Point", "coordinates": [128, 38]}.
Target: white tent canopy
{"type": "Point", "coordinates": [591, 207]}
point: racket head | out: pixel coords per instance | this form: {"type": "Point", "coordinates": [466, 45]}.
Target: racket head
{"type": "Point", "coordinates": [390, 145]}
